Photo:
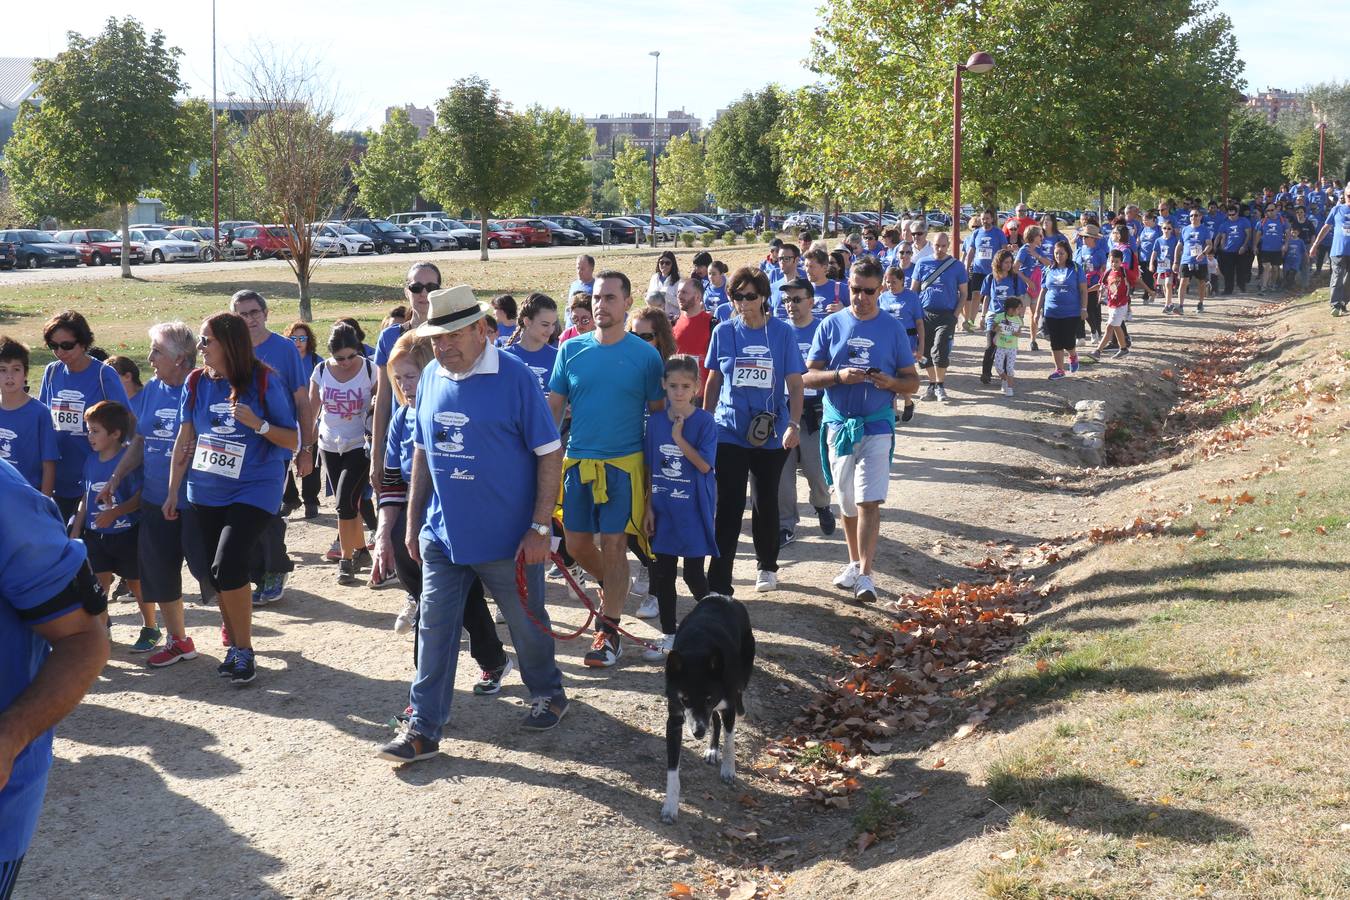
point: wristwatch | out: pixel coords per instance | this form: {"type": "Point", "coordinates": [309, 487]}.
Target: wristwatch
{"type": "Point", "coordinates": [265, 427]}
{"type": "Point", "coordinates": [541, 530]}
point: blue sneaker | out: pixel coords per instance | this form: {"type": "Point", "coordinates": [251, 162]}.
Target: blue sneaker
{"type": "Point", "coordinates": [244, 670]}
{"type": "Point", "coordinates": [274, 587]}
{"type": "Point", "coordinates": [226, 669]}
{"type": "Point", "coordinates": [1073, 364]}
{"type": "Point", "coordinates": [257, 596]}
{"type": "Point", "coordinates": [1057, 374]}
{"type": "Point", "coordinates": [545, 712]}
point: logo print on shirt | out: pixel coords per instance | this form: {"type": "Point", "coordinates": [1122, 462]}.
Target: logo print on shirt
{"type": "Point", "coordinates": [344, 402]}
{"type": "Point", "coordinates": [860, 351]}
{"type": "Point", "coordinates": [672, 461]}
{"type": "Point", "coordinates": [164, 421]}
{"type": "Point", "coordinates": [449, 436]}
{"type": "Point", "coordinates": [222, 422]}
{"type": "Point", "coordinates": [6, 443]}
{"type": "Point", "coordinates": [755, 350]}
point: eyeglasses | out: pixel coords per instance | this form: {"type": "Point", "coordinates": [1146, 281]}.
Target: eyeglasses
{"type": "Point", "coordinates": [648, 336]}
{"type": "Point", "coordinates": [797, 298]}
{"type": "Point", "coordinates": [203, 342]}
{"type": "Point", "coordinates": [62, 345]}
{"type": "Point", "coordinates": [348, 358]}
{"type": "Point", "coordinates": [916, 231]}
{"type": "Point", "coordinates": [418, 287]}
{"type": "Point", "coordinates": [300, 338]}
{"type": "Point", "coordinates": [906, 252]}
{"type": "Point", "coordinates": [249, 313]}
{"type": "Point", "coordinates": [746, 297]}
{"type": "Point", "coordinates": [664, 262]}
{"type": "Point", "coordinates": [866, 292]}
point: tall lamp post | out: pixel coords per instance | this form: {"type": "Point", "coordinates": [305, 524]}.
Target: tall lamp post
{"type": "Point", "coordinates": [978, 64]}
{"type": "Point", "coordinates": [215, 154]}
{"type": "Point", "coordinates": [1321, 150]}
{"type": "Point", "coordinates": [656, 86]}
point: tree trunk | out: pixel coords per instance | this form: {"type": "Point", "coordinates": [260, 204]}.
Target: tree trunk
{"type": "Point", "coordinates": [482, 235]}
{"type": "Point", "coordinates": [306, 309]}
{"type": "Point", "coordinates": [125, 219]}
{"type": "Point", "coordinates": [989, 197]}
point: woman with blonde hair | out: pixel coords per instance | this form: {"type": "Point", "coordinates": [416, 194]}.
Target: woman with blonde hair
{"type": "Point", "coordinates": [653, 326]}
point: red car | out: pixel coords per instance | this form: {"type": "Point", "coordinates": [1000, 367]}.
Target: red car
{"type": "Point", "coordinates": [499, 236]}
{"type": "Point", "coordinates": [99, 246]}
{"type": "Point", "coordinates": [263, 241]}
{"type": "Point", "coordinates": [536, 233]}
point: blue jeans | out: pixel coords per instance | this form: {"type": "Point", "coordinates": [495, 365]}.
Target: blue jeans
{"type": "Point", "coordinates": [445, 586]}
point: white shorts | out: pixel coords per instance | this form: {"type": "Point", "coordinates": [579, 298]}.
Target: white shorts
{"type": "Point", "coordinates": [1119, 315]}
{"type": "Point", "coordinates": [1005, 361]}
{"type": "Point", "coordinates": [864, 475]}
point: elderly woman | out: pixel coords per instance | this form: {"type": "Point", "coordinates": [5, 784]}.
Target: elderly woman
{"type": "Point", "coordinates": [754, 391]}
{"type": "Point", "coordinates": [237, 434]}
{"type": "Point", "coordinates": [165, 543]}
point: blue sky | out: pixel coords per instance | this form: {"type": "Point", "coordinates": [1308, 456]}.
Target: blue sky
{"type": "Point", "coordinates": [589, 57]}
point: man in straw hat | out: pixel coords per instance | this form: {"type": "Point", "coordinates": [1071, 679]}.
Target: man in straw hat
{"type": "Point", "coordinates": [486, 467]}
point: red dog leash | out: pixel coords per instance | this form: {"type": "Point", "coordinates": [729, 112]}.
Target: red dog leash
{"type": "Point", "coordinates": [592, 612]}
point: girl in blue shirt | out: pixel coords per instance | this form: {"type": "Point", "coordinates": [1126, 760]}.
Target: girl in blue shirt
{"type": "Point", "coordinates": [1163, 263]}
{"type": "Point", "coordinates": [1003, 282]}
{"type": "Point", "coordinates": [1063, 307]}
{"type": "Point", "coordinates": [302, 336]}
{"type": "Point", "coordinates": [680, 447]}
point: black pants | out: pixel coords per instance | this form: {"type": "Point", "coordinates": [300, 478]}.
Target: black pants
{"type": "Point", "coordinates": [1227, 270]}
{"type": "Point", "coordinates": [9, 873]}
{"type": "Point", "coordinates": [987, 363]}
{"type": "Point", "coordinates": [1243, 269]}
{"type": "Point", "coordinates": [349, 474]}
{"type": "Point", "coordinates": [308, 490]}
{"type": "Point", "coordinates": [939, 329]}
{"type": "Point", "coordinates": [230, 535]}
{"type": "Point", "coordinates": [484, 645]}
{"type": "Point", "coordinates": [736, 465]}
{"type": "Point", "coordinates": [1094, 317]}
{"type": "Point", "coordinates": [663, 584]}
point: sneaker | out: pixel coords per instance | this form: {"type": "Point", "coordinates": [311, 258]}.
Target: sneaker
{"type": "Point", "coordinates": [641, 582]}
{"type": "Point", "coordinates": [786, 536]}
{"type": "Point", "coordinates": [244, 669]}
{"type": "Point", "coordinates": [1168, 308]}
{"type": "Point", "coordinates": [490, 680]}
{"type": "Point", "coordinates": [578, 574]}
{"type": "Point", "coordinates": [274, 586]}
{"type": "Point", "coordinates": [826, 517]}
{"type": "Point", "coordinates": [172, 651]}
{"type": "Point", "coordinates": [847, 577]}
{"type": "Point", "coordinates": [1007, 390]}
{"type": "Point", "coordinates": [659, 648]}
{"type": "Point", "coordinates": [1123, 351]}
{"type": "Point", "coordinates": [1057, 374]}
{"type": "Point", "coordinates": [864, 591]}
{"type": "Point", "coordinates": [226, 668]}
{"type": "Point", "coordinates": [930, 392]}
{"type": "Point", "coordinates": [406, 620]}
{"type": "Point", "coordinates": [408, 747]}
{"type": "Point", "coordinates": [650, 608]}
{"type": "Point", "coordinates": [545, 712]}
{"type": "Point", "coordinates": [1073, 364]}
{"type": "Point", "coordinates": [1337, 311]}
{"type": "Point", "coordinates": [767, 581]}
{"type": "Point", "coordinates": [555, 571]}
{"type": "Point", "coordinates": [334, 552]}
{"type": "Point", "coordinates": [288, 507]}
{"type": "Point", "coordinates": [311, 510]}
{"type": "Point", "coordinates": [346, 572]}
{"type": "Point", "coordinates": [361, 559]}
{"type": "Point", "coordinates": [123, 591]}
{"type": "Point", "coordinates": [968, 326]}
{"type": "Point", "coordinates": [1094, 356]}
{"type": "Point", "coordinates": [258, 596]}
{"type": "Point", "coordinates": [1199, 307]}
{"type": "Point", "coordinates": [605, 650]}
{"type": "Point", "coordinates": [1035, 346]}
{"type": "Point", "coordinates": [941, 392]}
{"type": "Point", "coordinates": [908, 412]}
{"type": "Point", "coordinates": [148, 640]}
{"type": "Point", "coordinates": [1180, 310]}
{"type": "Point", "coordinates": [388, 579]}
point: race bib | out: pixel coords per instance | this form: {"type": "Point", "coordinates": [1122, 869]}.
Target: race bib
{"type": "Point", "coordinates": [68, 415]}
{"type": "Point", "coordinates": [1345, 229]}
{"type": "Point", "coordinates": [985, 251]}
{"type": "Point", "coordinates": [752, 372]}
{"type": "Point", "coordinates": [217, 456]}
{"type": "Point", "coordinates": [1010, 328]}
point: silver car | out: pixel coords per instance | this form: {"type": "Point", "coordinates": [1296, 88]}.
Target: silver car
{"type": "Point", "coordinates": [161, 246]}
{"type": "Point", "coordinates": [431, 239]}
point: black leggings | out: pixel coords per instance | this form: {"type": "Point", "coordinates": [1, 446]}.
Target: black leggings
{"type": "Point", "coordinates": [9, 874]}
{"type": "Point", "coordinates": [736, 465]}
{"type": "Point", "coordinates": [663, 584]}
{"type": "Point", "coordinates": [308, 490]}
{"type": "Point", "coordinates": [349, 473]}
{"type": "Point", "coordinates": [229, 535]}
{"type": "Point", "coordinates": [484, 645]}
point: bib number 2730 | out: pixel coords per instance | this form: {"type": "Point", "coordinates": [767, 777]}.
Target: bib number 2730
{"type": "Point", "coordinates": [217, 457]}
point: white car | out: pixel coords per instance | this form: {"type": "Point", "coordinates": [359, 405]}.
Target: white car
{"type": "Point", "coordinates": [348, 241]}
{"type": "Point", "coordinates": [160, 246]}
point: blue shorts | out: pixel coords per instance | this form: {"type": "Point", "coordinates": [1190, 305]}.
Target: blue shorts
{"type": "Point", "coordinates": [583, 515]}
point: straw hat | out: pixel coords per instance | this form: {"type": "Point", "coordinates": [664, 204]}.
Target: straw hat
{"type": "Point", "coordinates": [451, 309]}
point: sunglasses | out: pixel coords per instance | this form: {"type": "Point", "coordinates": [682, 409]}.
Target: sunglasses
{"type": "Point", "coordinates": [648, 336]}
{"type": "Point", "coordinates": [906, 252]}
{"type": "Point", "coordinates": [62, 345]}
{"type": "Point", "coordinates": [300, 338]}
{"type": "Point", "coordinates": [746, 297]}
{"type": "Point", "coordinates": [866, 292]}
{"type": "Point", "coordinates": [918, 232]}
{"type": "Point", "coordinates": [798, 298]}
{"type": "Point", "coordinates": [418, 287]}
{"type": "Point", "coordinates": [203, 342]}
{"type": "Point", "coordinates": [342, 359]}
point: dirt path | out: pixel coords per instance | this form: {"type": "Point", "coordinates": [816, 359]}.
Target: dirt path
{"type": "Point", "coordinates": [171, 783]}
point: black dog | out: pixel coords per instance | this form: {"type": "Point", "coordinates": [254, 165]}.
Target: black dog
{"type": "Point", "coordinates": [706, 674]}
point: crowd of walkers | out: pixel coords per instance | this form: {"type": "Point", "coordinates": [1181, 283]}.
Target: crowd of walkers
{"type": "Point", "coordinates": [625, 433]}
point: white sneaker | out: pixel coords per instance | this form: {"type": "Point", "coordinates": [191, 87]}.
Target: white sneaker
{"type": "Point", "coordinates": [941, 391]}
{"type": "Point", "coordinates": [767, 581]}
{"type": "Point", "coordinates": [847, 577]}
{"type": "Point", "coordinates": [658, 653]}
{"type": "Point", "coordinates": [650, 608]}
{"type": "Point", "coordinates": [406, 619]}
{"type": "Point", "coordinates": [1007, 390]}
{"type": "Point", "coordinates": [641, 584]}
{"type": "Point", "coordinates": [864, 591]}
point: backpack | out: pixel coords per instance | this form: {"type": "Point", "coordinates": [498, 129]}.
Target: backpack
{"type": "Point", "coordinates": [1131, 270]}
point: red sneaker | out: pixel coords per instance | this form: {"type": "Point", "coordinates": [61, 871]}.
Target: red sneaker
{"type": "Point", "coordinates": [172, 651]}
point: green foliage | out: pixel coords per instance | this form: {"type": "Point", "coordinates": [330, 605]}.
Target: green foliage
{"type": "Point", "coordinates": [687, 238]}
{"type": "Point", "coordinates": [1256, 151]}
{"type": "Point", "coordinates": [388, 174]}
{"type": "Point", "coordinates": [632, 176]}
{"type": "Point", "coordinates": [680, 177]}
{"type": "Point", "coordinates": [564, 176]}
{"type": "Point", "coordinates": [1302, 159]}
{"type": "Point", "coordinates": [766, 236]}
{"type": "Point", "coordinates": [186, 188]}
{"type": "Point", "coordinates": [1062, 196]}
{"type": "Point", "coordinates": [604, 193]}
{"type": "Point", "coordinates": [707, 238]}
{"type": "Point", "coordinates": [744, 162]}
{"type": "Point", "coordinates": [729, 238]}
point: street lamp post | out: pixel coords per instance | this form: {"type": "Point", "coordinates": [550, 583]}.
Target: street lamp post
{"type": "Point", "coordinates": [1321, 149]}
{"type": "Point", "coordinates": [978, 64]}
{"type": "Point", "coordinates": [656, 86]}
{"type": "Point", "coordinates": [215, 153]}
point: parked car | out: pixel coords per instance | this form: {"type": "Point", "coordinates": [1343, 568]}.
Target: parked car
{"type": "Point", "coordinates": [684, 223]}
{"type": "Point", "coordinates": [499, 235]}
{"type": "Point", "coordinates": [386, 236]}
{"type": "Point", "coordinates": [34, 249]}
{"type": "Point", "coordinates": [428, 240]}
{"type": "Point", "coordinates": [564, 237]}
{"type": "Point", "coordinates": [349, 240]}
{"type": "Point", "coordinates": [228, 228]}
{"type": "Point", "coordinates": [263, 241]}
{"type": "Point", "coordinates": [536, 233]}
{"type": "Point", "coordinates": [99, 246]}
{"type": "Point", "coordinates": [736, 222]}
{"type": "Point", "coordinates": [407, 218]}
{"type": "Point", "coordinates": [204, 240]}
{"type": "Point", "coordinates": [161, 246]}
{"type": "Point", "coordinates": [623, 230]}
{"type": "Point", "coordinates": [8, 257]}
{"type": "Point", "coordinates": [707, 222]}
{"type": "Point", "coordinates": [581, 224]}
{"type": "Point", "coordinates": [465, 237]}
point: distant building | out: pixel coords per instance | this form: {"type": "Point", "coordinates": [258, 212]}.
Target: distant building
{"type": "Point", "coordinates": [16, 86]}
{"type": "Point", "coordinates": [637, 127]}
{"type": "Point", "coordinates": [1272, 102]}
{"type": "Point", "coordinates": [422, 117]}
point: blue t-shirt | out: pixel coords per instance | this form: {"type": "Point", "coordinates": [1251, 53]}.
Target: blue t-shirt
{"type": "Point", "coordinates": [480, 435]}
{"type": "Point", "coordinates": [68, 395]}
{"type": "Point", "coordinates": [96, 474]}
{"type": "Point", "coordinates": [714, 297]}
{"type": "Point", "coordinates": [158, 428]}
{"type": "Point", "coordinates": [906, 308]}
{"type": "Point", "coordinates": [1195, 242]}
{"type": "Point", "coordinates": [280, 353]}
{"type": "Point", "coordinates": [1062, 298]}
{"type": "Point", "coordinates": [311, 361]}
{"type": "Point", "coordinates": [540, 361]}
{"type": "Point", "coordinates": [755, 364]}
{"type": "Point", "coordinates": [1235, 233]}
{"type": "Point", "coordinates": [1026, 263]}
{"type": "Point", "coordinates": [880, 342]}
{"type": "Point", "coordinates": [28, 439]}
{"type": "Point", "coordinates": [999, 291]}
{"type": "Point", "coordinates": [231, 463]}
{"type": "Point", "coordinates": [683, 499]}
{"type": "Point", "coordinates": [398, 444]}
{"type": "Point", "coordinates": [805, 336]}
{"type": "Point", "coordinates": [1339, 217]}
{"type": "Point", "coordinates": [1294, 254]}
{"type": "Point", "coordinates": [135, 403]}
{"type": "Point", "coordinates": [987, 242]}
{"type": "Point", "coordinates": [1047, 247]}
{"type": "Point", "coordinates": [384, 344]}
{"type": "Point", "coordinates": [609, 387]}
{"type": "Point", "coordinates": [504, 333]}
{"type": "Point", "coordinates": [826, 294]}
{"type": "Point", "coordinates": [1165, 249]}
{"type": "Point", "coordinates": [1148, 235]}
{"type": "Point", "coordinates": [37, 561]}
{"type": "Point", "coordinates": [1091, 260]}
{"type": "Point", "coordinates": [1272, 234]}
{"type": "Point", "coordinates": [942, 294]}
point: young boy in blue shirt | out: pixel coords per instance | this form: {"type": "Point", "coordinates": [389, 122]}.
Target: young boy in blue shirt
{"type": "Point", "coordinates": [27, 435]}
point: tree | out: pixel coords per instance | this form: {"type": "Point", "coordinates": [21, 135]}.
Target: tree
{"type": "Point", "coordinates": [1329, 102]}
{"type": "Point", "coordinates": [1256, 151]}
{"type": "Point", "coordinates": [563, 182]}
{"type": "Point", "coordinates": [480, 154]}
{"type": "Point", "coordinates": [1302, 159]}
{"type": "Point", "coordinates": [632, 176]}
{"type": "Point", "coordinates": [743, 156]}
{"type": "Point", "coordinates": [679, 172]}
{"type": "Point", "coordinates": [186, 188]}
{"type": "Point", "coordinates": [388, 174]}
{"type": "Point", "coordinates": [108, 126]}
{"type": "Point", "coordinates": [604, 194]}
{"type": "Point", "coordinates": [291, 163]}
